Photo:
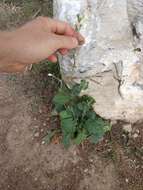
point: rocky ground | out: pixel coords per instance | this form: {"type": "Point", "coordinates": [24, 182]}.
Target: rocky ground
{"type": "Point", "coordinates": [26, 162]}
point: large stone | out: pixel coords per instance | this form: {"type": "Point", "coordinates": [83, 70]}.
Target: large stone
{"type": "Point", "coordinates": [111, 59]}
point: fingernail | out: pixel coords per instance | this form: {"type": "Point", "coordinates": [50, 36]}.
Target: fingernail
{"type": "Point", "coordinates": [81, 42]}
{"type": "Point", "coordinates": [75, 41]}
{"type": "Point", "coordinates": [64, 51]}
{"type": "Point", "coordinates": [80, 38]}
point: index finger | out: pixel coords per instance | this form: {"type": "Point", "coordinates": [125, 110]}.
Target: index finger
{"type": "Point", "coordinates": [63, 28]}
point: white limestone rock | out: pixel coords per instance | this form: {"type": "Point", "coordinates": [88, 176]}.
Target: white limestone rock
{"type": "Point", "coordinates": [111, 59]}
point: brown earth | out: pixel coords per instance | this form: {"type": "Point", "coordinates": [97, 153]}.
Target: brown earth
{"type": "Point", "coordinates": [26, 162]}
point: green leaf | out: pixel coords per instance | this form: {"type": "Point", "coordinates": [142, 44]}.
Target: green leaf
{"type": "Point", "coordinates": [107, 127]}
{"type": "Point", "coordinates": [98, 135]}
{"type": "Point", "coordinates": [77, 88]}
{"type": "Point", "coordinates": [93, 126]}
{"type": "Point", "coordinates": [66, 115]}
{"type": "Point", "coordinates": [88, 99]}
{"type": "Point", "coordinates": [84, 85]}
{"type": "Point", "coordinates": [79, 18]}
{"type": "Point", "coordinates": [61, 98]}
{"type": "Point", "coordinates": [82, 108]}
{"type": "Point", "coordinates": [91, 115]}
{"type": "Point", "coordinates": [80, 137]}
{"type": "Point", "coordinates": [97, 129]}
{"type": "Point", "coordinates": [75, 111]}
{"type": "Point", "coordinates": [96, 138]}
{"type": "Point", "coordinates": [66, 140]}
{"type": "Point", "coordinates": [68, 123]}
{"type": "Point", "coordinates": [100, 132]}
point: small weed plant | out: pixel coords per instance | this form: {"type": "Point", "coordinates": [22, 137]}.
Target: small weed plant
{"type": "Point", "coordinates": [77, 118]}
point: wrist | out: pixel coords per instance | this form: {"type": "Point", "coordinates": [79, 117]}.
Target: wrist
{"type": "Point", "coordinates": [7, 52]}
{"type": "Point", "coordinates": [5, 47]}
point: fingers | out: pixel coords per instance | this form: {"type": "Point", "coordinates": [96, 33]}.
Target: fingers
{"type": "Point", "coordinates": [63, 42]}
{"type": "Point", "coordinates": [53, 58]}
{"type": "Point", "coordinates": [63, 51]}
{"type": "Point", "coordinates": [80, 38]}
{"type": "Point", "coordinates": [63, 37]}
{"type": "Point", "coordinates": [63, 28]}
{"type": "Point", "coordinates": [60, 27]}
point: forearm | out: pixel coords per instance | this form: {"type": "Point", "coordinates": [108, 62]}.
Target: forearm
{"type": "Point", "coordinates": [6, 52]}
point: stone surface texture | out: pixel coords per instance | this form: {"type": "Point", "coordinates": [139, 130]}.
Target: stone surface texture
{"type": "Point", "coordinates": [111, 59]}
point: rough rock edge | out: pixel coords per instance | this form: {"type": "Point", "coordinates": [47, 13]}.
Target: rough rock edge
{"type": "Point", "coordinates": [110, 60]}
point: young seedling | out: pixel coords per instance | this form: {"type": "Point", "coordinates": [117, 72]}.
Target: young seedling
{"type": "Point", "coordinates": [77, 118]}
{"type": "Point", "coordinates": [78, 26]}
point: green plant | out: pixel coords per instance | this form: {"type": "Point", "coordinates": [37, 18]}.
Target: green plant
{"type": "Point", "coordinates": [46, 66]}
{"type": "Point", "coordinates": [77, 117]}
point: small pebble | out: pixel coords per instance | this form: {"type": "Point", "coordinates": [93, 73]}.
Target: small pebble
{"type": "Point", "coordinates": [42, 130]}
{"type": "Point", "coordinates": [86, 170]}
{"type": "Point", "coordinates": [137, 131]}
{"type": "Point", "coordinates": [35, 178]}
{"type": "Point", "coordinates": [135, 135]}
{"type": "Point", "coordinates": [44, 124]}
{"type": "Point", "coordinates": [127, 180]}
{"type": "Point", "coordinates": [37, 134]}
{"type": "Point", "coordinates": [127, 128]}
{"type": "Point", "coordinates": [40, 111]}
{"type": "Point", "coordinates": [43, 142]}
{"type": "Point", "coordinates": [91, 160]}
{"type": "Point", "coordinates": [26, 169]}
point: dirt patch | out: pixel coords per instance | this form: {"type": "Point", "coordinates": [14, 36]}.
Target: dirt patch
{"type": "Point", "coordinates": [27, 163]}
{"type": "Point", "coordinates": [16, 12]}
{"type": "Point", "coordinates": [129, 155]}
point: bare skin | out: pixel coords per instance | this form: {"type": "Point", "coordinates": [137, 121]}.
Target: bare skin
{"type": "Point", "coordinates": [37, 40]}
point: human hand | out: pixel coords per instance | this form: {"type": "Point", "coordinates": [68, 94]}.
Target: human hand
{"type": "Point", "coordinates": [38, 40]}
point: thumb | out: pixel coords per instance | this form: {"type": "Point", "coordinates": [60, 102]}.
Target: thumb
{"type": "Point", "coordinates": [65, 42]}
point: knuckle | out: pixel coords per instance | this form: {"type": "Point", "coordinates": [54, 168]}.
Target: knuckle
{"type": "Point", "coordinates": [65, 24]}
{"type": "Point", "coordinates": [42, 19]}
